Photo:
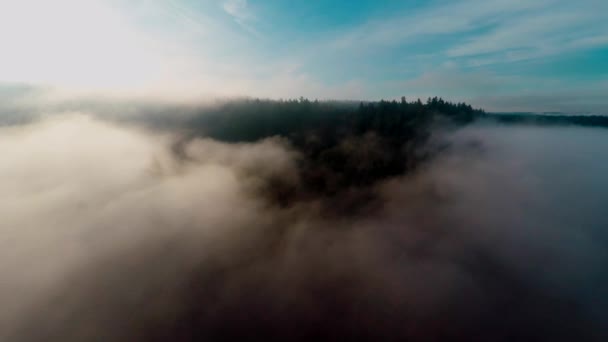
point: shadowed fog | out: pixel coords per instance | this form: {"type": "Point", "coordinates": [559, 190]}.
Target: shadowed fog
{"type": "Point", "coordinates": [111, 233]}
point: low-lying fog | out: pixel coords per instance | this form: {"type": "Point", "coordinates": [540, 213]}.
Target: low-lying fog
{"type": "Point", "coordinates": [107, 235]}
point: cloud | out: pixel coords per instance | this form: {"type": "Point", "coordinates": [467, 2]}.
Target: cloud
{"type": "Point", "coordinates": [240, 11]}
{"type": "Point", "coordinates": [537, 34]}
{"type": "Point", "coordinates": [479, 33]}
{"type": "Point", "coordinates": [94, 189]}
{"type": "Point", "coordinates": [437, 19]}
{"type": "Point", "coordinates": [113, 232]}
{"type": "Point", "coordinates": [237, 8]}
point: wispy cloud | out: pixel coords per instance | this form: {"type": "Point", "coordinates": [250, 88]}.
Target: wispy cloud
{"type": "Point", "coordinates": [241, 13]}
{"type": "Point", "coordinates": [237, 8]}
{"type": "Point", "coordinates": [499, 30]}
{"type": "Point", "coordinates": [537, 34]}
{"type": "Point", "coordinates": [193, 21]}
{"type": "Point", "coordinates": [457, 17]}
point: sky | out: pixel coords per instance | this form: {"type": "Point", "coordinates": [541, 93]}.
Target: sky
{"type": "Point", "coordinates": [503, 55]}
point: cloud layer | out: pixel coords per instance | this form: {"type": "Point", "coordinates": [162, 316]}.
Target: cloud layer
{"type": "Point", "coordinates": [118, 233]}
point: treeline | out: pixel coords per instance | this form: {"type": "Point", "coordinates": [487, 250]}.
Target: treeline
{"type": "Point", "coordinates": [346, 146]}
{"type": "Point", "coordinates": [251, 120]}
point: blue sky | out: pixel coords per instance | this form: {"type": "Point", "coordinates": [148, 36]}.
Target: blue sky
{"type": "Point", "coordinates": [541, 55]}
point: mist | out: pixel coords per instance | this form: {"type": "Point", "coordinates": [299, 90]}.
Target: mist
{"type": "Point", "coordinates": [119, 231]}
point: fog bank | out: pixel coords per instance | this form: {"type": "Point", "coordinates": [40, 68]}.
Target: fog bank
{"type": "Point", "coordinates": [114, 232]}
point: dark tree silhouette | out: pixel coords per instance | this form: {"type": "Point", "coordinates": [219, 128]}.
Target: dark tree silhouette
{"type": "Point", "coordinates": [345, 145]}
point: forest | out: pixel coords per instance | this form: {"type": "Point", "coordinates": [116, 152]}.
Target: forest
{"type": "Point", "coordinates": [345, 146]}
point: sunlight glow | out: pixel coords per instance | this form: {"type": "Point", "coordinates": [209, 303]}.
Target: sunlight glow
{"type": "Point", "coordinates": [73, 43]}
